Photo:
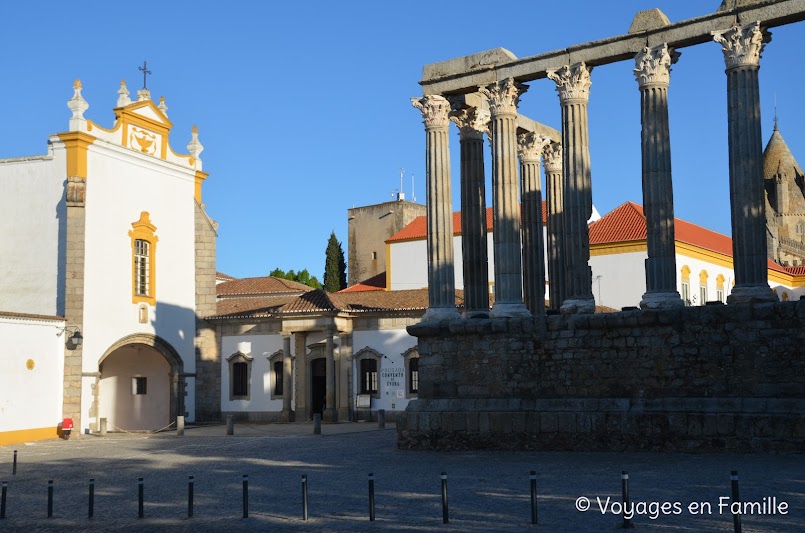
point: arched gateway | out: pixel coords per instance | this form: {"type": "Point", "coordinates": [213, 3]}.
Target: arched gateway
{"type": "Point", "coordinates": [140, 385]}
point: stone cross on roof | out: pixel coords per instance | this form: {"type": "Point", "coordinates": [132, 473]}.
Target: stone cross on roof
{"type": "Point", "coordinates": [145, 71]}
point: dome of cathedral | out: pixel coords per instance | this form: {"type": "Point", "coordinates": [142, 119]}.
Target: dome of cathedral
{"type": "Point", "coordinates": [778, 155]}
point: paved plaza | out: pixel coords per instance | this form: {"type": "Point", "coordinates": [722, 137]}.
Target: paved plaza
{"type": "Point", "coordinates": [487, 491]}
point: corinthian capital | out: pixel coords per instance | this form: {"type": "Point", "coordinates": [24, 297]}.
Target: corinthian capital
{"type": "Point", "coordinates": [472, 122]}
{"type": "Point", "coordinates": [742, 45]}
{"type": "Point", "coordinates": [434, 110]}
{"type": "Point", "coordinates": [530, 145]}
{"type": "Point", "coordinates": [572, 81]}
{"type": "Point", "coordinates": [503, 96]}
{"type": "Point", "coordinates": [553, 157]}
{"type": "Point", "coordinates": [653, 65]}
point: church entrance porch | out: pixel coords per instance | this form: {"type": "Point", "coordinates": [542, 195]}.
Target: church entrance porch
{"type": "Point", "coordinates": [138, 387]}
{"type": "Point", "coordinates": [318, 386]}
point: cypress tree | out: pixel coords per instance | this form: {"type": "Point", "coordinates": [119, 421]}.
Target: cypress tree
{"type": "Point", "coordinates": [335, 268]}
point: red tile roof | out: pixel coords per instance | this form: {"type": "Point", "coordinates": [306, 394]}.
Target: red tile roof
{"type": "Point", "coordinates": [260, 286]}
{"type": "Point", "coordinates": [10, 314]}
{"type": "Point", "coordinates": [418, 228]}
{"type": "Point", "coordinates": [375, 283]}
{"type": "Point", "coordinates": [224, 277]}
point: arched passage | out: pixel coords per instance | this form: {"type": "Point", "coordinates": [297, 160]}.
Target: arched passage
{"type": "Point", "coordinates": [140, 385]}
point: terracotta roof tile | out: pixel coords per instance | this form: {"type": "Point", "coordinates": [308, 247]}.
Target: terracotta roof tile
{"type": "Point", "coordinates": [375, 283]}
{"type": "Point", "coordinates": [261, 285]}
{"type": "Point", "coordinates": [29, 316]}
{"type": "Point", "coordinates": [418, 228]}
{"type": "Point", "coordinates": [798, 270]}
{"type": "Point", "coordinates": [224, 277]}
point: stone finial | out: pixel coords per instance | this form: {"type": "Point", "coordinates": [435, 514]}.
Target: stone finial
{"type": "Point", "coordinates": [435, 110]}
{"type": "Point", "coordinates": [530, 146]}
{"type": "Point", "coordinates": [572, 81]}
{"type": "Point", "coordinates": [123, 98]}
{"type": "Point", "coordinates": [163, 106]}
{"type": "Point", "coordinates": [503, 96]}
{"type": "Point", "coordinates": [194, 146]}
{"type": "Point", "coordinates": [143, 94]}
{"type": "Point", "coordinates": [77, 105]}
{"type": "Point", "coordinates": [742, 45]}
{"type": "Point", "coordinates": [553, 157]}
{"type": "Point", "coordinates": [472, 122]}
{"type": "Point", "coordinates": [653, 65]}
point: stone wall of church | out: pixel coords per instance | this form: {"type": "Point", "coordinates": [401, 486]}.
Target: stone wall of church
{"type": "Point", "coordinates": [696, 378]}
{"type": "Point", "coordinates": [208, 375]}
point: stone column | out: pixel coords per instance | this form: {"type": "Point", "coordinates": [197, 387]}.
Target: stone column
{"type": "Point", "coordinates": [553, 198]}
{"type": "Point", "coordinates": [742, 46]}
{"type": "Point", "coordinates": [472, 124]}
{"type": "Point", "coordinates": [653, 74]}
{"type": "Point", "coordinates": [529, 148]}
{"type": "Point", "coordinates": [503, 98]}
{"type": "Point", "coordinates": [441, 274]}
{"type": "Point", "coordinates": [330, 413]}
{"type": "Point", "coordinates": [287, 379]}
{"type": "Point", "coordinates": [573, 85]}
{"type": "Point", "coordinates": [74, 298]}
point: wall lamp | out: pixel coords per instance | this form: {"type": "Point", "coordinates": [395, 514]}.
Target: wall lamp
{"type": "Point", "coordinates": [75, 338]}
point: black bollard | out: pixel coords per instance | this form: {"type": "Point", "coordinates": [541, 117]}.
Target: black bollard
{"type": "Point", "coordinates": [445, 512]}
{"type": "Point", "coordinates": [50, 498]}
{"type": "Point", "coordinates": [371, 497]}
{"type": "Point", "coordinates": [245, 496]}
{"type": "Point", "coordinates": [304, 497]}
{"type": "Point", "coordinates": [91, 510]}
{"type": "Point", "coordinates": [190, 497]}
{"type": "Point", "coordinates": [627, 522]}
{"type": "Point", "coordinates": [14, 467]}
{"type": "Point", "coordinates": [316, 424]}
{"type": "Point", "coordinates": [736, 517]}
{"type": "Point", "coordinates": [3, 499]}
{"type": "Point", "coordinates": [140, 494]}
{"type": "Point", "coordinates": [534, 497]}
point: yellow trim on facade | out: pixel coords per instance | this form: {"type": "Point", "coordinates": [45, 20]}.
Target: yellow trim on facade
{"type": "Point", "coordinates": [76, 144]}
{"type": "Point", "coordinates": [695, 252]}
{"type": "Point", "coordinates": [28, 435]}
{"type": "Point", "coordinates": [144, 230]}
{"type": "Point", "coordinates": [91, 125]}
{"type": "Point", "coordinates": [610, 248]}
{"type": "Point", "coordinates": [703, 276]}
{"type": "Point", "coordinates": [685, 273]}
{"type": "Point", "coordinates": [720, 281]}
{"type": "Point", "coordinates": [200, 177]}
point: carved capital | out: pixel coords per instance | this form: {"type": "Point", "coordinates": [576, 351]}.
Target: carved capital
{"type": "Point", "coordinates": [653, 65]}
{"type": "Point", "coordinates": [503, 96]}
{"type": "Point", "coordinates": [530, 146]}
{"type": "Point", "coordinates": [553, 157]}
{"type": "Point", "coordinates": [572, 82]}
{"type": "Point", "coordinates": [435, 110]}
{"type": "Point", "coordinates": [472, 122]}
{"type": "Point", "coordinates": [76, 191]}
{"type": "Point", "coordinates": [742, 45]}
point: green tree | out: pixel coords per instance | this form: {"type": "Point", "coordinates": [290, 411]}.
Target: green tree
{"type": "Point", "coordinates": [303, 276]}
{"type": "Point", "coordinates": [335, 268]}
{"type": "Point", "coordinates": [277, 273]}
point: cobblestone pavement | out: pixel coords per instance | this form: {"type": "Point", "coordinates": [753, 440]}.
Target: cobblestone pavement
{"type": "Point", "coordinates": [488, 491]}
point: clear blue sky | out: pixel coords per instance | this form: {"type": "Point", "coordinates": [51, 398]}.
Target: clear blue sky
{"type": "Point", "coordinates": [304, 111]}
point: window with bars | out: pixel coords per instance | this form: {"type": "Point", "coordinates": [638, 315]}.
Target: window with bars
{"type": "Point", "coordinates": [139, 385]}
{"type": "Point", "coordinates": [413, 375]}
{"type": "Point", "coordinates": [368, 376]}
{"type": "Point", "coordinates": [240, 379]}
{"type": "Point", "coordinates": [278, 377]}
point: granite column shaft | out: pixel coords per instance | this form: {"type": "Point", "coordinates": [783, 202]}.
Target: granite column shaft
{"type": "Point", "coordinates": [287, 379]}
{"type": "Point", "coordinates": [530, 147]}
{"type": "Point", "coordinates": [555, 247]}
{"type": "Point", "coordinates": [330, 413]}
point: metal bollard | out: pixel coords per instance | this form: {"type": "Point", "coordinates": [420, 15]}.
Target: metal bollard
{"type": "Point", "coordinates": [50, 498]}
{"type": "Point", "coordinates": [627, 522]}
{"type": "Point", "coordinates": [3, 499]}
{"type": "Point", "coordinates": [140, 494]}
{"type": "Point", "coordinates": [91, 503]}
{"type": "Point", "coordinates": [103, 427]}
{"type": "Point", "coordinates": [190, 497]}
{"type": "Point", "coordinates": [14, 467]}
{"type": "Point", "coordinates": [381, 419]}
{"type": "Point", "coordinates": [180, 426]}
{"type": "Point", "coordinates": [445, 512]}
{"type": "Point", "coordinates": [230, 425]}
{"type": "Point", "coordinates": [371, 497]}
{"type": "Point", "coordinates": [534, 518]}
{"type": "Point", "coordinates": [736, 497]}
{"type": "Point", "coordinates": [245, 496]}
{"type": "Point", "coordinates": [304, 497]}
{"type": "Point", "coordinates": [317, 424]}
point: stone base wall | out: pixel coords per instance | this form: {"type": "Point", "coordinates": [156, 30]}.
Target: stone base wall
{"type": "Point", "coordinates": [691, 379]}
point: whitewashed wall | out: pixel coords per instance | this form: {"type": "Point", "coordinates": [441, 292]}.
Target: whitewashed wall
{"type": "Point", "coordinates": [30, 398]}
{"type": "Point", "coordinates": [622, 279]}
{"type": "Point", "coordinates": [260, 348]}
{"type": "Point", "coordinates": [392, 344]}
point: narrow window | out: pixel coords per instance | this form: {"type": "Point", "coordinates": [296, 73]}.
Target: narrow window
{"type": "Point", "coordinates": [139, 385]}
{"type": "Point", "coordinates": [143, 260]}
{"type": "Point", "coordinates": [240, 379]}
{"type": "Point", "coordinates": [141, 267]}
{"type": "Point", "coordinates": [374, 256]}
{"type": "Point", "coordinates": [413, 375]}
{"type": "Point", "coordinates": [720, 295]}
{"type": "Point", "coordinates": [278, 377]}
{"type": "Point", "coordinates": [702, 295]}
{"type": "Point", "coordinates": [368, 376]}
{"type": "Point", "coordinates": [686, 292]}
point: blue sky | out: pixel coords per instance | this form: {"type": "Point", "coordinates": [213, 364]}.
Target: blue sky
{"type": "Point", "coordinates": [304, 110]}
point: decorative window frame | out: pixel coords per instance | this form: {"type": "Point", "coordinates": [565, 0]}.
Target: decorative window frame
{"type": "Point", "coordinates": [274, 358]}
{"type": "Point", "coordinates": [720, 288]}
{"type": "Point", "coordinates": [144, 230]}
{"type": "Point", "coordinates": [240, 357]}
{"type": "Point", "coordinates": [703, 277]}
{"type": "Point", "coordinates": [367, 353]}
{"type": "Point", "coordinates": [408, 355]}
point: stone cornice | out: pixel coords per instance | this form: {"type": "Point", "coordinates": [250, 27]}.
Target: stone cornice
{"type": "Point", "coordinates": [572, 81]}
{"type": "Point", "coordinates": [435, 110]}
{"type": "Point", "coordinates": [742, 45]}
{"type": "Point", "coordinates": [530, 146]}
{"type": "Point", "coordinates": [653, 66]}
{"type": "Point", "coordinates": [503, 96]}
